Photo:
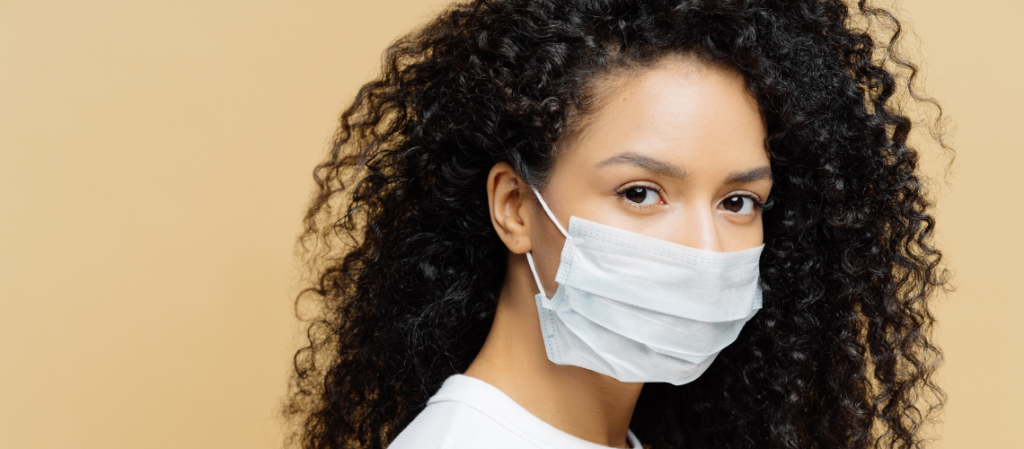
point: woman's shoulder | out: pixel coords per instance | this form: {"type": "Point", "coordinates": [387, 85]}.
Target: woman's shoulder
{"type": "Point", "coordinates": [468, 413]}
{"type": "Point", "coordinates": [454, 425]}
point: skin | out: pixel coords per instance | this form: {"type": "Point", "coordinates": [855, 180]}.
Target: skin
{"type": "Point", "coordinates": [666, 155]}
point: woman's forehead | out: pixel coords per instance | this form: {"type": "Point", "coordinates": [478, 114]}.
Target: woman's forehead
{"type": "Point", "coordinates": [682, 111]}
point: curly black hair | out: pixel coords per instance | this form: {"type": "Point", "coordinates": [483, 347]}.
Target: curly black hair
{"type": "Point", "coordinates": [406, 268]}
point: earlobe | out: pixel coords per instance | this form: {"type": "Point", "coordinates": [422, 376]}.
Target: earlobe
{"type": "Point", "coordinates": [505, 200]}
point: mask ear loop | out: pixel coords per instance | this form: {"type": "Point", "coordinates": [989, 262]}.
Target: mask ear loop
{"type": "Point", "coordinates": [536, 278]}
{"type": "Point", "coordinates": [548, 210]}
{"type": "Point", "coordinates": [529, 256]}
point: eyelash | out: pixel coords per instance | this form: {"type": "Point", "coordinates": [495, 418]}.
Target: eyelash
{"type": "Point", "coordinates": [762, 205]}
{"type": "Point", "coordinates": [621, 192]}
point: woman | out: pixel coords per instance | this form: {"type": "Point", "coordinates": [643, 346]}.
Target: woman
{"type": "Point", "coordinates": [585, 224]}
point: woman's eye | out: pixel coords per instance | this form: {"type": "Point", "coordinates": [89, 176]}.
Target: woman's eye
{"type": "Point", "coordinates": [739, 204]}
{"type": "Point", "coordinates": [641, 195]}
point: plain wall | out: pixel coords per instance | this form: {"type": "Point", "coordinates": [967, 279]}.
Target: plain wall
{"type": "Point", "coordinates": [155, 160]}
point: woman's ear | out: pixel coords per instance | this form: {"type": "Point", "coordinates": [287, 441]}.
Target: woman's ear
{"type": "Point", "coordinates": [504, 195]}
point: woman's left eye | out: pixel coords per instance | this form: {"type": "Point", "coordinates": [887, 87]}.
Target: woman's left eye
{"type": "Point", "coordinates": [739, 204]}
{"type": "Point", "coordinates": [641, 195]}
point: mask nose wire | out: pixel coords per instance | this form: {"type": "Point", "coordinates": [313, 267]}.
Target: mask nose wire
{"type": "Point", "coordinates": [529, 256]}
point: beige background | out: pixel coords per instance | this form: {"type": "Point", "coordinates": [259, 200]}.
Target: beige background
{"type": "Point", "coordinates": [155, 158]}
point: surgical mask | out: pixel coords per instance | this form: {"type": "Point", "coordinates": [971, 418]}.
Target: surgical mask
{"type": "Point", "coordinates": [642, 309]}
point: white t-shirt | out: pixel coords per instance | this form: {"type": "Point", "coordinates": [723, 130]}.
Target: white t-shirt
{"type": "Point", "coordinates": [468, 413]}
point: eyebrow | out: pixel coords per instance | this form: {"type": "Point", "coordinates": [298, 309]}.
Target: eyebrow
{"type": "Point", "coordinates": [754, 174]}
{"type": "Point", "coordinates": [663, 168]}
{"type": "Point", "coordinates": [655, 165]}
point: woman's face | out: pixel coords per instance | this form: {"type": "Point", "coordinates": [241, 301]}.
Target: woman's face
{"type": "Point", "coordinates": [676, 152]}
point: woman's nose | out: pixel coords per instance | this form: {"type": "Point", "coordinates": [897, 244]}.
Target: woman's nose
{"type": "Point", "coordinates": [698, 230]}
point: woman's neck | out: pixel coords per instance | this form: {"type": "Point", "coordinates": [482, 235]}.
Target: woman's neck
{"type": "Point", "coordinates": [580, 402]}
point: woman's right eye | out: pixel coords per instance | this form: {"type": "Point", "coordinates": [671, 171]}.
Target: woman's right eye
{"type": "Point", "coordinates": [643, 196]}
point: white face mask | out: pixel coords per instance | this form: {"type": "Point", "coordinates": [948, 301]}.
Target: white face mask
{"type": "Point", "coordinates": [642, 309]}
